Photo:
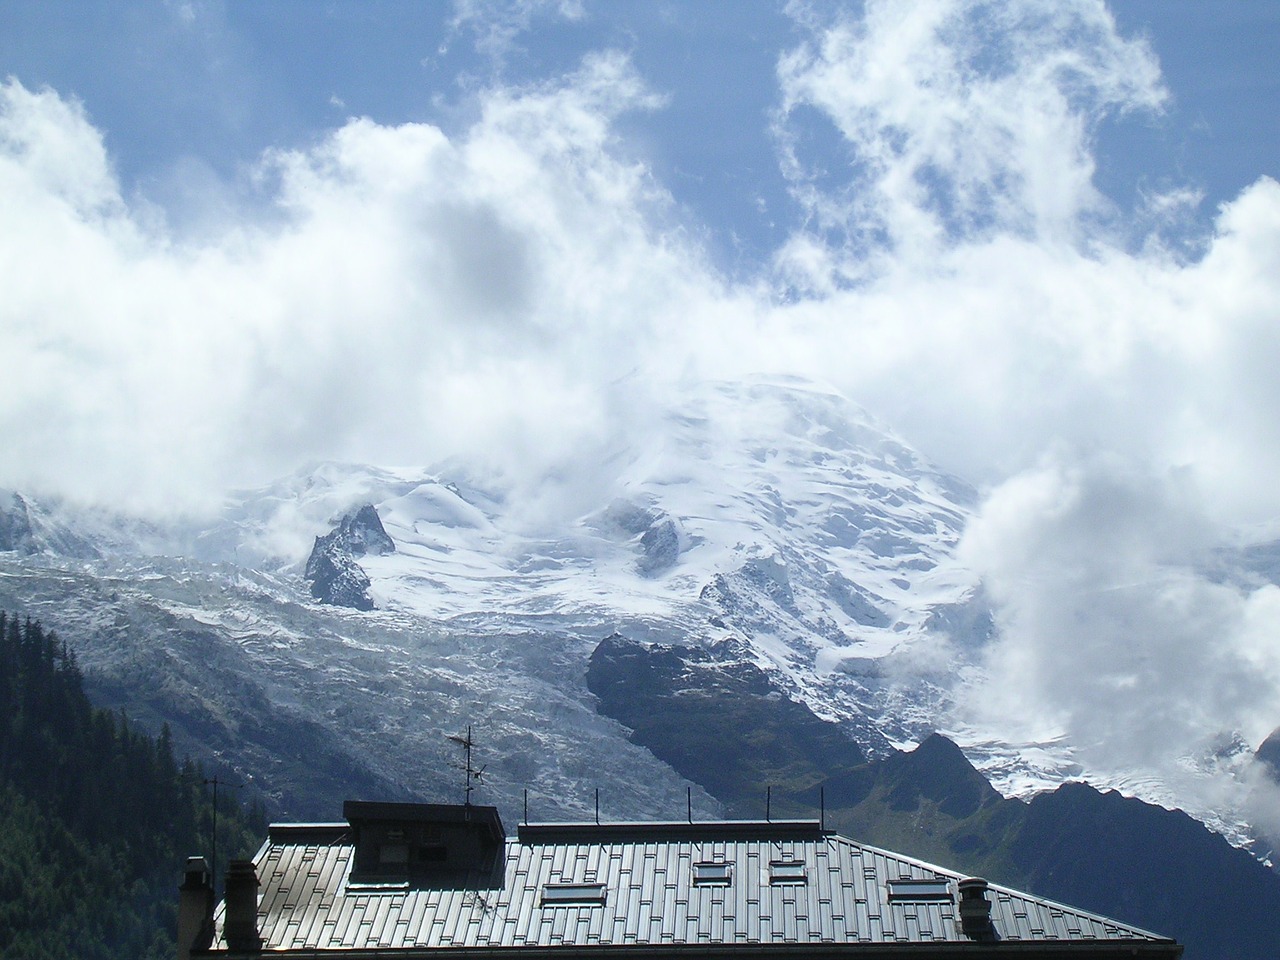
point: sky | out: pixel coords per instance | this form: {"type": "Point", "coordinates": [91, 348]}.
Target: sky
{"type": "Point", "coordinates": [1040, 239]}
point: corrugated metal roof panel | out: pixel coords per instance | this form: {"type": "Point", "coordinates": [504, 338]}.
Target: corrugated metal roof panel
{"type": "Point", "coordinates": [308, 902]}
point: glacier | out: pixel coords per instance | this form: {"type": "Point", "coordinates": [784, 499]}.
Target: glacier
{"type": "Point", "coordinates": [771, 512]}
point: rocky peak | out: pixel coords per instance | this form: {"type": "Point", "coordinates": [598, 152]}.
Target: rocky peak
{"type": "Point", "coordinates": [660, 537]}
{"type": "Point", "coordinates": [332, 571]}
{"type": "Point", "coordinates": [360, 531]}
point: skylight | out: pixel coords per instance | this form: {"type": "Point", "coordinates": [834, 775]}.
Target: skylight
{"type": "Point", "coordinates": [711, 874]}
{"type": "Point", "coordinates": [787, 871]}
{"type": "Point", "coordinates": [919, 890]}
{"type": "Point", "coordinates": [572, 894]}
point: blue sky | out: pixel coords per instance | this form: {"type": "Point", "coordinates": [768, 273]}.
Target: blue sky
{"type": "Point", "coordinates": [177, 84]}
{"type": "Point", "coordinates": [1038, 238]}
{"type": "Point", "coordinates": [241, 78]}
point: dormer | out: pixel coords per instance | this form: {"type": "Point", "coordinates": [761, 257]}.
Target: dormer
{"type": "Point", "coordinates": [423, 844]}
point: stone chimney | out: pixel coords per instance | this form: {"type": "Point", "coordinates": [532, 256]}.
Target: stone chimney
{"type": "Point", "coordinates": [240, 926]}
{"type": "Point", "coordinates": [195, 908]}
{"type": "Point", "coordinates": [975, 909]}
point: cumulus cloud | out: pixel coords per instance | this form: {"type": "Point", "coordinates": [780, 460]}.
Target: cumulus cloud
{"type": "Point", "coordinates": [1109, 627]}
{"type": "Point", "coordinates": [970, 283]}
{"type": "Point", "coordinates": [405, 296]}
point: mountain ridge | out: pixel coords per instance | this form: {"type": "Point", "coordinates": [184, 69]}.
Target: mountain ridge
{"type": "Point", "coordinates": [774, 514]}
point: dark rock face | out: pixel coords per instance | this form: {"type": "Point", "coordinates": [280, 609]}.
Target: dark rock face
{"type": "Point", "coordinates": [719, 721]}
{"type": "Point", "coordinates": [15, 527]}
{"type": "Point", "coordinates": [627, 518]}
{"type": "Point", "coordinates": [661, 546]}
{"type": "Point", "coordinates": [332, 571]}
{"type": "Point", "coordinates": [660, 537]}
{"type": "Point", "coordinates": [1269, 754]}
{"type": "Point", "coordinates": [361, 532]}
{"type": "Point", "coordinates": [28, 529]}
{"type": "Point", "coordinates": [337, 579]}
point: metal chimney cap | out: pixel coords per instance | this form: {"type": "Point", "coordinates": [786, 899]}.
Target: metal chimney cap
{"type": "Point", "coordinates": [196, 875]}
{"type": "Point", "coordinates": [240, 924]}
{"type": "Point", "coordinates": [975, 908]}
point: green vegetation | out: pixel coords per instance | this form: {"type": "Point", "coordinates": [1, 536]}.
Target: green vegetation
{"type": "Point", "coordinates": [96, 818]}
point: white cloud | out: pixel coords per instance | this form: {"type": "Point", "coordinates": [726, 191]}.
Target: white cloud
{"type": "Point", "coordinates": [400, 271]}
{"type": "Point", "coordinates": [498, 24]}
{"type": "Point", "coordinates": [962, 119]}
{"type": "Point", "coordinates": [1108, 626]}
{"type": "Point", "coordinates": [962, 281]}
{"type": "Point", "coordinates": [1110, 631]}
{"type": "Point", "coordinates": [53, 151]}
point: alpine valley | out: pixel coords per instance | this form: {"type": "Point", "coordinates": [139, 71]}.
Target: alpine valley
{"type": "Point", "coordinates": [755, 606]}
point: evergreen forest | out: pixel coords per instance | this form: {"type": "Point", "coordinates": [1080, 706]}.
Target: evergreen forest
{"type": "Point", "coordinates": [96, 817]}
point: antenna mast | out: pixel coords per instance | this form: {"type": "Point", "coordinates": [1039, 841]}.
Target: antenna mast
{"type": "Point", "coordinates": [213, 868]}
{"type": "Point", "coordinates": [472, 775]}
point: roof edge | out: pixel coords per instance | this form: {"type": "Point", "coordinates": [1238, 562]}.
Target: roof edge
{"type": "Point", "coordinates": [483, 818]}
{"type": "Point", "coordinates": [924, 950]}
{"type": "Point", "coordinates": [307, 832]}
{"type": "Point", "coordinates": [673, 830]}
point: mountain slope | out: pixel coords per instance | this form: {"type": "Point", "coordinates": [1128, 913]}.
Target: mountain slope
{"type": "Point", "coordinates": [770, 517]}
{"type": "Point", "coordinates": [1136, 862]}
{"type": "Point", "coordinates": [772, 512]}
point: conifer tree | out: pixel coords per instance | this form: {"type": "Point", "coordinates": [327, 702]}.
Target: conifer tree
{"type": "Point", "coordinates": [95, 815]}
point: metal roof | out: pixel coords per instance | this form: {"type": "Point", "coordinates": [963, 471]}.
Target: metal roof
{"type": "Point", "coordinates": [612, 885]}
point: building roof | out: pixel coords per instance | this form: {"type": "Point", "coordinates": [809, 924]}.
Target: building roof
{"type": "Point", "coordinates": [706, 887]}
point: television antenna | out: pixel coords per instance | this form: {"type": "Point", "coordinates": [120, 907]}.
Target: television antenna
{"type": "Point", "coordinates": [215, 782]}
{"type": "Point", "coordinates": [472, 774]}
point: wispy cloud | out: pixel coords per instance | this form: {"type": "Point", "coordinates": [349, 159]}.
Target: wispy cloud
{"type": "Point", "coordinates": [960, 121]}
{"type": "Point", "coordinates": [496, 27]}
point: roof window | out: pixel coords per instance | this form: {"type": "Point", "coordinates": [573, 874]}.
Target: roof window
{"type": "Point", "coordinates": [919, 891]}
{"type": "Point", "coordinates": [572, 894]}
{"type": "Point", "coordinates": [711, 874]}
{"type": "Point", "coordinates": [787, 871]}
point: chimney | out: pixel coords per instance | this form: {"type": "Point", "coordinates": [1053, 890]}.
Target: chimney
{"type": "Point", "coordinates": [240, 926]}
{"type": "Point", "coordinates": [975, 909]}
{"type": "Point", "coordinates": [195, 908]}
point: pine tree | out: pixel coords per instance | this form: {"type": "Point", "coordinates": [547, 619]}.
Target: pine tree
{"type": "Point", "coordinates": [95, 816]}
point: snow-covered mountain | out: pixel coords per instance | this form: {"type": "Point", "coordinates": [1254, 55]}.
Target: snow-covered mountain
{"type": "Point", "coordinates": [772, 513]}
